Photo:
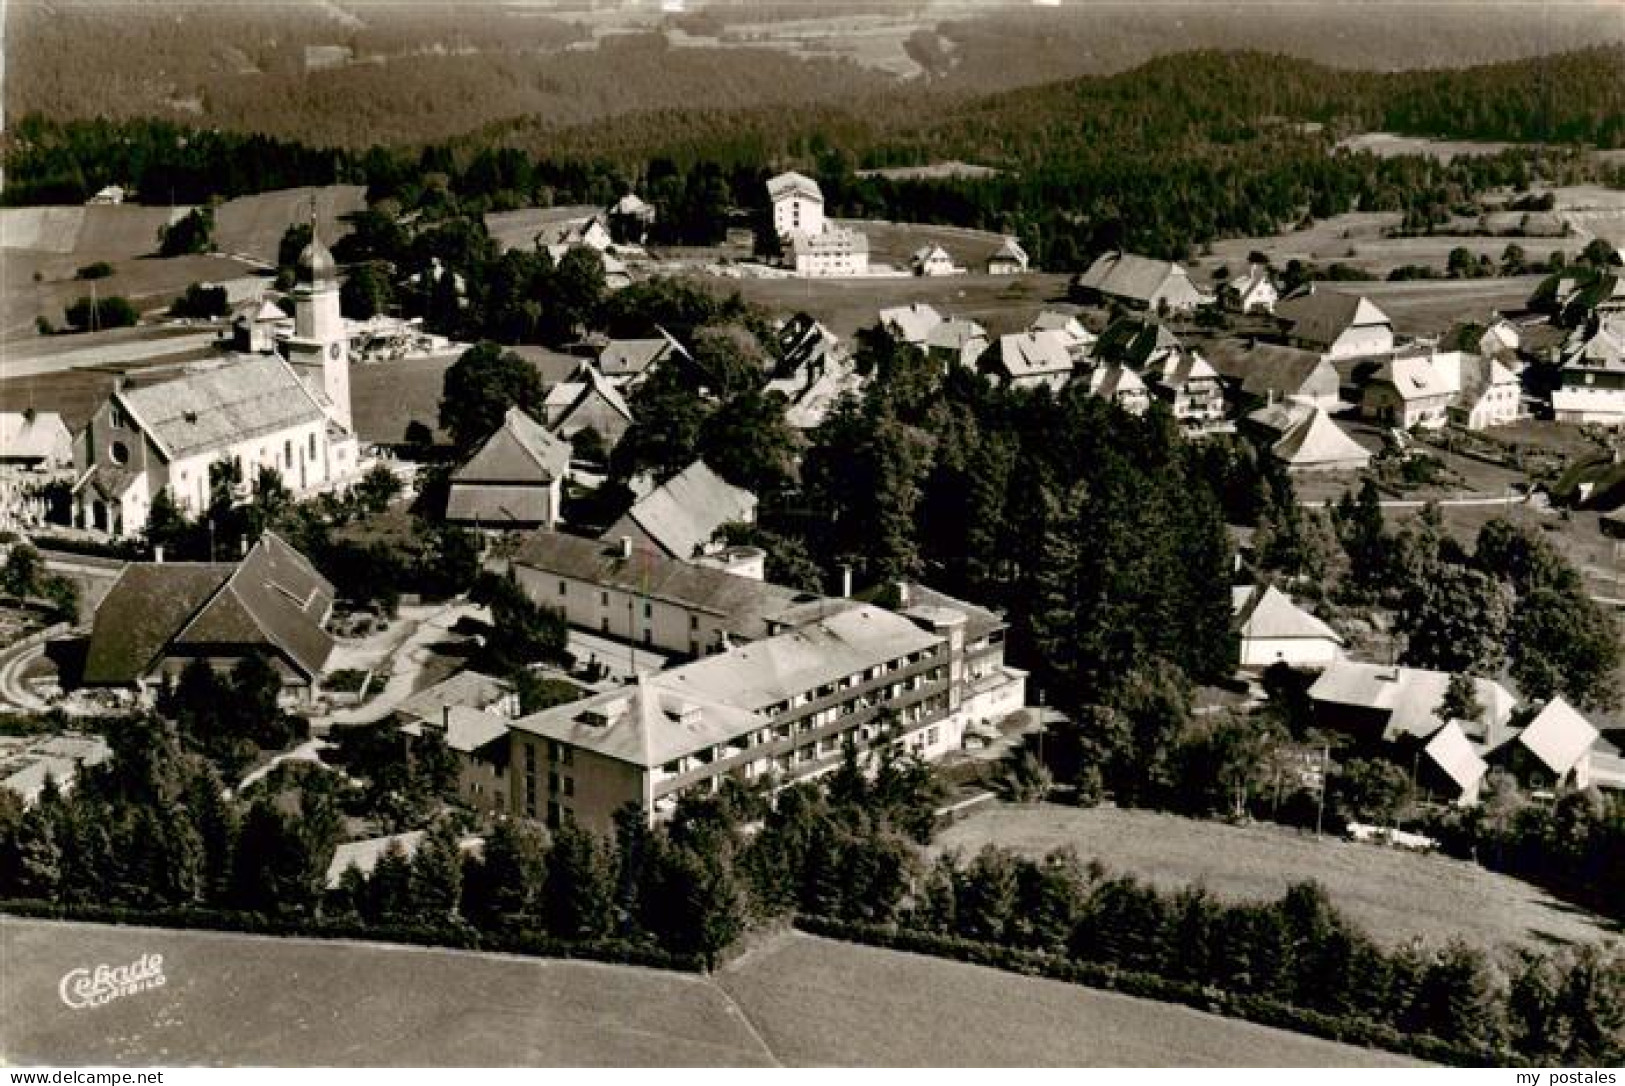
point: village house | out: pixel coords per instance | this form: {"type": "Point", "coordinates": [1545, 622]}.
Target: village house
{"type": "Point", "coordinates": [591, 403]}
{"type": "Point", "coordinates": [1028, 360]}
{"type": "Point", "coordinates": [1407, 391]}
{"type": "Point", "coordinates": [933, 260]}
{"type": "Point", "coordinates": [630, 219]}
{"type": "Point", "coordinates": [626, 363]}
{"type": "Point", "coordinates": [1008, 259]}
{"type": "Point", "coordinates": [1253, 293]}
{"type": "Point", "coordinates": [645, 598]}
{"type": "Point", "coordinates": [812, 373]}
{"type": "Point", "coordinates": [1274, 630]}
{"type": "Point", "coordinates": [1140, 282]}
{"type": "Point", "coordinates": [1593, 374]}
{"type": "Point", "coordinates": [956, 342]}
{"type": "Point", "coordinates": [1553, 750]}
{"type": "Point", "coordinates": [1451, 767]}
{"type": "Point", "coordinates": [1316, 443]}
{"type": "Point", "coordinates": [514, 480]}
{"type": "Point", "coordinates": [160, 616]}
{"type": "Point", "coordinates": [1122, 386]}
{"type": "Point", "coordinates": [34, 441]}
{"type": "Point", "coordinates": [1337, 324]}
{"type": "Point", "coordinates": [1260, 374]}
{"type": "Point", "coordinates": [910, 324]}
{"type": "Point", "coordinates": [107, 195]}
{"type": "Point", "coordinates": [1386, 703]}
{"type": "Point", "coordinates": [678, 518]}
{"type": "Point", "coordinates": [1191, 388]}
{"type": "Point", "coordinates": [470, 713]}
{"type": "Point", "coordinates": [1487, 393]}
{"type": "Point", "coordinates": [1078, 339]}
{"type": "Point", "coordinates": [778, 711]}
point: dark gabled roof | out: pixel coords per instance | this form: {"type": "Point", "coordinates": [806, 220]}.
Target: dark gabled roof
{"type": "Point", "coordinates": [1262, 369]}
{"type": "Point", "coordinates": [520, 451]}
{"type": "Point", "coordinates": [1134, 340]}
{"type": "Point", "coordinates": [272, 599]}
{"type": "Point", "coordinates": [144, 610]}
{"type": "Point", "coordinates": [1126, 275]}
{"type": "Point", "coordinates": [685, 511]}
{"type": "Point", "coordinates": [744, 605]}
{"type": "Point", "coordinates": [1319, 316]}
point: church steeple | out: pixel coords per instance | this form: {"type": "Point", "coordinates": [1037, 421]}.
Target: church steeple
{"type": "Point", "coordinates": [320, 347]}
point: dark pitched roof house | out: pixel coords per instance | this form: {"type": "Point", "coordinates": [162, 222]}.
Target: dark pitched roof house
{"type": "Point", "coordinates": [1141, 281]}
{"type": "Point", "coordinates": [1265, 372]}
{"type": "Point", "coordinates": [682, 514]}
{"type": "Point", "coordinates": [513, 479]}
{"type": "Point", "coordinates": [159, 615]}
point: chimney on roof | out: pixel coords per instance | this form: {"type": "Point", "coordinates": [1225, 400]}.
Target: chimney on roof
{"type": "Point", "coordinates": [158, 554]}
{"type": "Point", "coordinates": [626, 548]}
{"type": "Point", "coordinates": [445, 718]}
{"type": "Point", "coordinates": [902, 595]}
{"type": "Point", "coordinates": [846, 582]}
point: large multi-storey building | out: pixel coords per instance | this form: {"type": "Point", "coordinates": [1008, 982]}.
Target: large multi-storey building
{"type": "Point", "coordinates": [779, 710]}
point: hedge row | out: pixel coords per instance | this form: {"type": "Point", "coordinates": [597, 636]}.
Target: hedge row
{"type": "Point", "coordinates": [454, 936]}
{"type": "Point", "coordinates": [1268, 1012]}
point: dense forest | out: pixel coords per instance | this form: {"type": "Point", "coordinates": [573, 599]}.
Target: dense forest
{"type": "Point", "coordinates": [1163, 159]}
{"type": "Point", "coordinates": [398, 72]}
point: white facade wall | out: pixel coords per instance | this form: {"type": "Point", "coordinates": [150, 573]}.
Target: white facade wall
{"type": "Point", "coordinates": [615, 612]}
{"type": "Point", "coordinates": [795, 211]}
{"type": "Point", "coordinates": [1362, 340]}
{"type": "Point", "coordinates": [1262, 652]}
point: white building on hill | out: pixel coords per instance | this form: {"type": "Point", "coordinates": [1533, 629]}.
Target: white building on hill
{"type": "Point", "coordinates": [814, 247]}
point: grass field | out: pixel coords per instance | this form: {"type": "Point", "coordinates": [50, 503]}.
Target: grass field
{"type": "Point", "coordinates": [386, 396]}
{"type": "Point", "coordinates": [1392, 895]}
{"type": "Point", "coordinates": [1001, 303]}
{"type": "Point", "coordinates": [894, 243]}
{"type": "Point", "coordinates": [796, 1000]}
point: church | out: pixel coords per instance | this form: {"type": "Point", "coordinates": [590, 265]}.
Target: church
{"type": "Point", "coordinates": [287, 409]}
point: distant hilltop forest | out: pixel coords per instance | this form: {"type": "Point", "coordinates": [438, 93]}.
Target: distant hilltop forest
{"type": "Point", "coordinates": [1164, 158]}
{"type": "Point", "coordinates": [358, 72]}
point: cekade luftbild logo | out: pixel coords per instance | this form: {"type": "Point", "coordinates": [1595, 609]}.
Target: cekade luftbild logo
{"type": "Point", "coordinates": [87, 987]}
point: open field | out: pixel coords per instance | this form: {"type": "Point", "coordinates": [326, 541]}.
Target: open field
{"type": "Point", "coordinates": [518, 229]}
{"type": "Point", "coordinates": [240, 999]}
{"type": "Point", "coordinates": [252, 226]}
{"type": "Point", "coordinates": [894, 243]}
{"type": "Point", "coordinates": [1429, 307]}
{"type": "Point", "coordinates": [386, 396]}
{"type": "Point", "coordinates": [149, 283]}
{"type": "Point", "coordinates": [1392, 895]}
{"type": "Point", "coordinates": [1001, 303]}
{"type": "Point", "coordinates": [1389, 145]}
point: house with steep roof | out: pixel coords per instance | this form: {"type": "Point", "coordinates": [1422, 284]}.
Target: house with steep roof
{"type": "Point", "coordinates": [1260, 374]}
{"type": "Point", "coordinates": [678, 518]}
{"type": "Point", "coordinates": [626, 363]}
{"type": "Point", "coordinates": [1122, 386]}
{"type": "Point", "coordinates": [1408, 390]}
{"type": "Point", "coordinates": [1078, 339]}
{"type": "Point", "coordinates": [34, 440]}
{"type": "Point", "coordinates": [159, 616]}
{"type": "Point", "coordinates": [956, 342]}
{"type": "Point", "coordinates": [470, 713]}
{"type": "Point", "coordinates": [1028, 360]}
{"type": "Point", "coordinates": [933, 260]}
{"type": "Point", "coordinates": [1387, 703]}
{"type": "Point", "coordinates": [1553, 750]}
{"type": "Point", "coordinates": [1139, 282]}
{"type": "Point", "coordinates": [1316, 443]}
{"type": "Point", "coordinates": [592, 403]}
{"type": "Point", "coordinates": [911, 323]}
{"type": "Point", "coordinates": [1336, 323]}
{"type": "Point", "coordinates": [1252, 293]}
{"type": "Point", "coordinates": [1142, 343]}
{"type": "Point", "coordinates": [515, 479]}
{"type": "Point", "coordinates": [1451, 766]}
{"type": "Point", "coordinates": [1274, 630]}
{"type": "Point", "coordinates": [1487, 393]}
{"type": "Point", "coordinates": [1008, 259]}
{"type": "Point", "coordinates": [1190, 386]}
{"type": "Point", "coordinates": [1593, 375]}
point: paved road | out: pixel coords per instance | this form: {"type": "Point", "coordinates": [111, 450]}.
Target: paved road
{"type": "Point", "coordinates": [13, 693]}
